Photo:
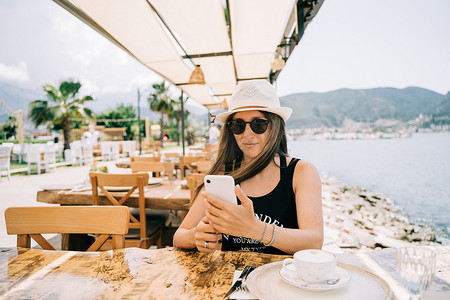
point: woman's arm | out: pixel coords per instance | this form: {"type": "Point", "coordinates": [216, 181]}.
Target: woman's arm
{"type": "Point", "coordinates": [308, 199]}
{"type": "Point", "coordinates": [195, 230]}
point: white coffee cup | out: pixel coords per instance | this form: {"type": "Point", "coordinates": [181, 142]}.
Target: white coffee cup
{"type": "Point", "coordinates": [311, 265]}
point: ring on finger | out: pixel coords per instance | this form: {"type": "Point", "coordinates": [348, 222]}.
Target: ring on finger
{"type": "Point", "coordinates": [206, 244]}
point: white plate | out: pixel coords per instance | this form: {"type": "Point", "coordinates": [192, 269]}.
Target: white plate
{"type": "Point", "coordinates": [57, 187]}
{"type": "Point", "coordinates": [343, 275]}
{"type": "Point", "coordinates": [265, 282]}
{"type": "Point", "coordinates": [155, 181]}
{"type": "Point", "coordinates": [183, 184]}
{"type": "Point", "coordinates": [118, 188]}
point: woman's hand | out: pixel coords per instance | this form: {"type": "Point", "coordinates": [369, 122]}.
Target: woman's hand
{"type": "Point", "coordinates": [236, 220]}
{"type": "Point", "coordinates": [206, 238]}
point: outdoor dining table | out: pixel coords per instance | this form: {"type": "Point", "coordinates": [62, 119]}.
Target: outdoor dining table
{"type": "Point", "coordinates": [168, 195]}
{"type": "Point", "coordinates": [171, 273]}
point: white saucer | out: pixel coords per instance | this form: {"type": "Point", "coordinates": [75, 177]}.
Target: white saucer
{"type": "Point", "coordinates": [344, 276]}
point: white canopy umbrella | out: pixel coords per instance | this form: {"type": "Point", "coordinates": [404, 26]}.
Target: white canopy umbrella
{"type": "Point", "coordinates": [231, 40]}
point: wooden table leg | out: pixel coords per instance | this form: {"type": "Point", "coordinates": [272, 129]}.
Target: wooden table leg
{"type": "Point", "coordinates": [65, 241]}
{"type": "Point", "coordinates": [76, 242]}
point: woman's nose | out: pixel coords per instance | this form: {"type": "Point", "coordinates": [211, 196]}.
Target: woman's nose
{"type": "Point", "coordinates": [248, 129]}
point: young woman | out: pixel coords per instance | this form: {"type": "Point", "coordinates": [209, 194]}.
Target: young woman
{"type": "Point", "coordinates": [280, 207]}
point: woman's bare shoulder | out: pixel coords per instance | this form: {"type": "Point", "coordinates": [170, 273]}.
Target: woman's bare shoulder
{"type": "Point", "coordinates": [306, 177]}
{"type": "Point", "coordinates": [305, 168]}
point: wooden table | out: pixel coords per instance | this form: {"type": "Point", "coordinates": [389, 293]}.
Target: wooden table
{"type": "Point", "coordinates": [126, 164]}
{"type": "Point", "coordinates": [169, 195]}
{"type": "Point", "coordinates": [175, 163]}
{"type": "Point", "coordinates": [166, 273]}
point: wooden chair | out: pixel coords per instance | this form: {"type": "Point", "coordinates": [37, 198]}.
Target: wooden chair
{"type": "Point", "coordinates": [143, 232]}
{"type": "Point", "coordinates": [186, 164]}
{"type": "Point", "coordinates": [156, 158]}
{"type": "Point", "coordinates": [203, 166]}
{"type": "Point", "coordinates": [201, 154]}
{"type": "Point", "coordinates": [159, 169]}
{"type": "Point", "coordinates": [211, 147]}
{"type": "Point", "coordinates": [156, 145]}
{"type": "Point", "coordinates": [193, 181]}
{"type": "Point", "coordinates": [171, 154]}
{"type": "Point", "coordinates": [31, 222]}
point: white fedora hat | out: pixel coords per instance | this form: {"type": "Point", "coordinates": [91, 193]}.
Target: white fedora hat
{"type": "Point", "coordinates": [255, 95]}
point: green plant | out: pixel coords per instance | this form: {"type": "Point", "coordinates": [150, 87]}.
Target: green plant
{"type": "Point", "coordinates": [121, 116]}
{"type": "Point", "coordinates": [160, 101]}
{"type": "Point", "coordinates": [62, 104]}
{"type": "Point", "coordinates": [95, 167]}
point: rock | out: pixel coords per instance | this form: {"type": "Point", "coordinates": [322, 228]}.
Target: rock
{"type": "Point", "coordinates": [366, 220]}
{"type": "Point", "coordinates": [387, 242]}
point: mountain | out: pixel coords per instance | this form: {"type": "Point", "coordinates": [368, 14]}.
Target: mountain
{"type": "Point", "coordinates": [16, 98]}
{"type": "Point", "coordinates": [328, 109]}
{"type": "Point", "coordinates": [440, 114]}
{"type": "Point", "coordinates": [363, 105]}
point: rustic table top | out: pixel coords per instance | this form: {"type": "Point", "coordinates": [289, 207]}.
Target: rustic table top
{"type": "Point", "coordinates": [166, 273]}
{"type": "Point", "coordinates": [168, 195]}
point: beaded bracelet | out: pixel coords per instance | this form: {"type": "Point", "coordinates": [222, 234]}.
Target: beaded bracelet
{"type": "Point", "coordinates": [264, 233]}
{"type": "Point", "coordinates": [273, 237]}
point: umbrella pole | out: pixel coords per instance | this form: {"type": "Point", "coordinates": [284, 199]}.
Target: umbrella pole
{"type": "Point", "coordinates": [182, 122]}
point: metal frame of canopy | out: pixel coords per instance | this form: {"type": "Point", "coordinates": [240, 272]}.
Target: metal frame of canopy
{"type": "Point", "coordinates": [232, 40]}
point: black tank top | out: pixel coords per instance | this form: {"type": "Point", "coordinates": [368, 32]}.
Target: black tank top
{"type": "Point", "coordinates": [277, 207]}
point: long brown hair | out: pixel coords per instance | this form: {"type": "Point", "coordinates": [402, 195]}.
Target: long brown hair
{"type": "Point", "coordinates": [229, 151]}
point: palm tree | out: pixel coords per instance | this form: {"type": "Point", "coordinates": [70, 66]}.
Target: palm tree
{"type": "Point", "coordinates": [62, 104]}
{"type": "Point", "coordinates": [160, 101]}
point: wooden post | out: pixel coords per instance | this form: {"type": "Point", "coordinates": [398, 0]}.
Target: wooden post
{"type": "Point", "coordinates": [182, 121]}
{"type": "Point", "coordinates": [19, 126]}
{"type": "Point", "coordinates": [147, 129]}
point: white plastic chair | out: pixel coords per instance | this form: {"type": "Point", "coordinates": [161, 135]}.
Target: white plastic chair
{"type": "Point", "coordinates": [88, 153]}
{"type": "Point", "coordinates": [129, 148]}
{"type": "Point", "coordinates": [106, 150]}
{"type": "Point", "coordinates": [59, 150]}
{"type": "Point", "coordinates": [115, 150]}
{"type": "Point", "coordinates": [68, 156]}
{"type": "Point", "coordinates": [5, 160]}
{"type": "Point", "coordinates": [77, 152]}
{"type": "Point", "coordinates": [19, 152]}
{"type": "Point", "coordinates": [34, 157]}
{"type": "Point", "coordinates": [50, 154]}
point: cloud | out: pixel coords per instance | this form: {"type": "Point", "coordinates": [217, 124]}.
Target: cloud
{"type": "Point", "coordinates": [17, 72]}
{"type": "Point", "coordinates": [89, 87]}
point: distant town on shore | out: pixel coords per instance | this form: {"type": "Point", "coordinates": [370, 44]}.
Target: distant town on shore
{"type": "Point", "coordinates": [382, 129]}
{"type": "Point", "coordinates": [367, 114]}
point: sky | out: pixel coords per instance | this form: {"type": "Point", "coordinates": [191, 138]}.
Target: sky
{"type": "Point", "coordinates": [350, 44]}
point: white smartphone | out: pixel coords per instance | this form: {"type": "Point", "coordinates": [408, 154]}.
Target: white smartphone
{"type": "Point", "coordinates": [221, 186]}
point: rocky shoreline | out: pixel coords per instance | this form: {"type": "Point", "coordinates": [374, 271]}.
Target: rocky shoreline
{"type": "Point", "coordinates": [357, 219]}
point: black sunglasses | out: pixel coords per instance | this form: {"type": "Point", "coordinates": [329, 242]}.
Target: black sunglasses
{"type": "Point", "coordinates": [259, 126]}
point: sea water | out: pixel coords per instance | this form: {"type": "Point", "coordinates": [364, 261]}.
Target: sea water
{"type": "Point", "coordinates": [412, 172]}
